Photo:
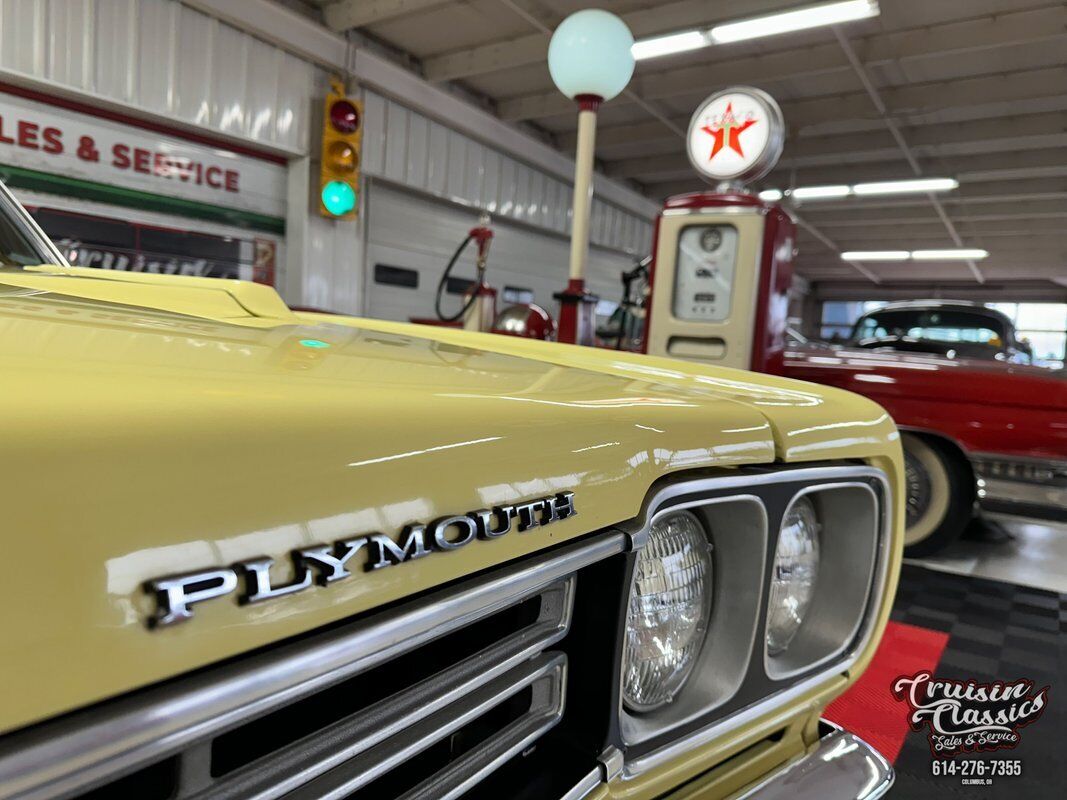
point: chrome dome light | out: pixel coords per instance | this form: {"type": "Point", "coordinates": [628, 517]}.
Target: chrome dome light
{"type": "Point", "coordinates": [793, 577]}
{"type": "Point", "coordinates": [670, 603]}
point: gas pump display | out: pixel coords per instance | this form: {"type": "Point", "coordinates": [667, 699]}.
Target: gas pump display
{"type": "Point", "coordinates": [704, 275]}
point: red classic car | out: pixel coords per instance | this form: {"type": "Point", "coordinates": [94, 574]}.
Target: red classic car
{"type": "Point", "coordinates": [978, 427]}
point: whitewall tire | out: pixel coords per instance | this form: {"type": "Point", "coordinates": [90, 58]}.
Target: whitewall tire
{"type": "Point", "coordinates": [939, 495]}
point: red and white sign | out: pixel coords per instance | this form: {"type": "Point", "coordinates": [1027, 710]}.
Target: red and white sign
{"type": "Point", "coordinates": [736, 135]}
{"type": "Point", "coordinates": [46, 138]}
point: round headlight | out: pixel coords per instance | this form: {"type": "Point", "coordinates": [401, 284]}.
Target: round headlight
{"type": "Point", "coordinates": [669, 607]}
{"type": "Point", "coordinates": [796, 568]}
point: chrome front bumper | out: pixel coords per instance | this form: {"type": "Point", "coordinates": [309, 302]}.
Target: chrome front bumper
{"type": "Point", "coordinates": [1024, 487]}
{"type": "Point", "coordinates": [841, 767]}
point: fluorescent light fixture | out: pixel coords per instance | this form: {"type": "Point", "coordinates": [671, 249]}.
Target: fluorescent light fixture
{"type": "Point", "coordinates": [902, 187]}
{"type": "Point", "coordinates": [955, 254]}
{"type": "Point", "coordinates": [875, 255]}
{"type": "Point", "coordinates": [820, 192]}
{"type": "Point", "coordinates": [770, 195]}
{"type": "Point", "coordinates": [668, 45]}
{"type": "Point", "coordinates": [798, 20]}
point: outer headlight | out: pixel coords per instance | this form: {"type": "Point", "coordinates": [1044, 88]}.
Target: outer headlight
{"type": "Point", "coordinates": [793, 577]}
{"type": "Point", "coordinates": [669, 608]}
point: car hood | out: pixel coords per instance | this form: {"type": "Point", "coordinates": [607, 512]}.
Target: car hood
{"type": "Point", "coordinates": [142, 441]}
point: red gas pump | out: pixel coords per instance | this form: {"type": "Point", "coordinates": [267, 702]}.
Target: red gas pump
{"type": "Point", "coordinates": [479, 301]}
{"type": "Point", "coordinates": [723, 259]}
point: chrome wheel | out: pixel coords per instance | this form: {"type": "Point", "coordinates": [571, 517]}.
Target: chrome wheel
{"type": "Point", "coordinates": [917, 482]}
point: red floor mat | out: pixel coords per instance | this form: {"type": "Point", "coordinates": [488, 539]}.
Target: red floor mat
{"type": "Point", "coordinates": [868, 708]}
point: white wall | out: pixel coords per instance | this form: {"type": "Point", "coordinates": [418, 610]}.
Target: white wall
{"type": "Point", "coordinates": [161, 59]}
{"type": "Point", "coordinates": [410, 149]}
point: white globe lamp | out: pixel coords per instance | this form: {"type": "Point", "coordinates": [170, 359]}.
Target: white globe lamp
{"type": "Point", "coordinates": [590, 61]}
{"type": "Point", "coordinates": [590, 54]}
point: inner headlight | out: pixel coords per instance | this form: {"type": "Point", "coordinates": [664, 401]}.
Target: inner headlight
{"type": "Point", "coordinates": [793, 577]}
{"type": "Point", "coordinates": [669, 608]}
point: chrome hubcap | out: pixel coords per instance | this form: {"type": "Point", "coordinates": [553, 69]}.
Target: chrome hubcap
{"type": "Point", "coordinates": [917, 482]}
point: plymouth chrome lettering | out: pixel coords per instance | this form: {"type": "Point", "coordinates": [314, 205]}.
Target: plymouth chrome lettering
{"type": "Point", "coordinates": [326, 564]}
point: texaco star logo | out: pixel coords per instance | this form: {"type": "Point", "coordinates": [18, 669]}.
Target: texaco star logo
{"type": "Point", "coordinates": [735, 135]}
{"type": "Point", "coordinates": [727, 131]}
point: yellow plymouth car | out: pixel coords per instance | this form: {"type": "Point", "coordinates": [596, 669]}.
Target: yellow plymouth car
{"type": "Point", "coordinates": [254, 553]}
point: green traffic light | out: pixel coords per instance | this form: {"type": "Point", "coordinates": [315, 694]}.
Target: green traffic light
{"type": "Point", "coordinates": [338, 197]}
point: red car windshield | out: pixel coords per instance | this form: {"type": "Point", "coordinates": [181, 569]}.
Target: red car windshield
{"type": "Point", "coordinates": [933, 325]}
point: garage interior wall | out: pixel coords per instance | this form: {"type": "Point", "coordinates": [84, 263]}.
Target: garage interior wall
{"type": "Point", "coordinates": [164, 61]}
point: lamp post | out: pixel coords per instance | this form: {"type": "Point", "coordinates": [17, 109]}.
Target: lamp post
{"type": "Point", "coordinates": [590, 61]}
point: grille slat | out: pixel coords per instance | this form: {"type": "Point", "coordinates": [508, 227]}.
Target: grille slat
{"type": "Point", "coordinates": [285, 770]}
{"type": "Point", "coordinates": [547, 670]}
{"type": "Point", "coordinates": [184, 719]}
{"type": "Point", "coordinates": [546, 709]}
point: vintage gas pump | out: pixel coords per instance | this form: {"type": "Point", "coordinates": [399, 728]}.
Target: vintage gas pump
{"type": "Point", "coordinates": [479, 301]}
{"type": "Point", "coordinates": [478, 312]}
{"type": "Point", "coordinates": [723, 259]}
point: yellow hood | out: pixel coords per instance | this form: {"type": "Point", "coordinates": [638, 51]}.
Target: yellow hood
{"type": "Point", "coordinates": [141, 442]}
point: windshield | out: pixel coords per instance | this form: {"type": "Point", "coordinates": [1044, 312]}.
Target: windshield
{"type": "Point", "coordinates": [933, 325]}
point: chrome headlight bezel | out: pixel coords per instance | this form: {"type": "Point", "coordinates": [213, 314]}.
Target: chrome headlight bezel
{"type": "Point", "coordinates": [725, 687]}
{"type": "Point", "coordinates": [736, 527]}
{"type": "Point", "coordinates": [847, 570]}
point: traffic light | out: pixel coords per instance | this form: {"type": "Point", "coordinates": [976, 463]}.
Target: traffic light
{"type": "Point", "coordinates": [342, 136]}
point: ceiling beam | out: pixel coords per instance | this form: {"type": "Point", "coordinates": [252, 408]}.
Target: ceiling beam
{"type": "Point", "coordinates": [1011, 238]}
{"type": "Point", "coordinates": [347, 14]}
{"type": "Point", "coordinates": [799, 64]}
{"type": "Point", "coordinates": [531, 49]}
{"type": "Point", "coordinates": [967, 165]}
{"type": "Point", "coordinates": [1036, 262]}
{"type": "Point", "coordinates": [966, 196]}
{"type": "Point", "coordinates": [866, 218]}
{"type": "Point", "coordinates": [808, 62]}
{"type": "Point", "coordinates": [961, 206]}
{"type": "Point", "coordinates": [1012, 173]}
{"type": "Point", "coordinates": [1035, 132]}
{"type": "Point", "coordinates": [905, 148]}
{"type": "Point", "coordinates": [610, 136]}
{"type": "Point", "coordinates": [1045, 241]}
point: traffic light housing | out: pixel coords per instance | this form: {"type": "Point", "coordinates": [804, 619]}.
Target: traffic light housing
{"type": "Point", "coordinates": [342, 138]}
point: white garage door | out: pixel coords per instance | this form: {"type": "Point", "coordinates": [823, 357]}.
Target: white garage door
{"type": "Point", "coordinates": [411, 238]}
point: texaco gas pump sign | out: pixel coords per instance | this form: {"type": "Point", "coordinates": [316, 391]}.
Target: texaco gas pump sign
{"type": "Point", "coordinates": [723, 260]}
{"type": "Point", "coordinates": [736, 135]}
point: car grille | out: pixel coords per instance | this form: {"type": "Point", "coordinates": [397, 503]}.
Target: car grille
{"type": "Point", "coordinates": [425, 700]}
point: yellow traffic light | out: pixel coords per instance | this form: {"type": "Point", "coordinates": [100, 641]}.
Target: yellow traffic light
{"type": "Point", "coordinates": [342, 136]}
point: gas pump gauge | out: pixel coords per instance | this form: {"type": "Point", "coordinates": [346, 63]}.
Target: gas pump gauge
{"type": "Point", "coordinates": [704, 275]}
